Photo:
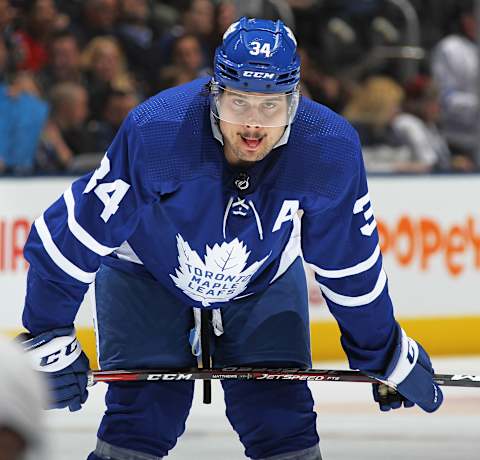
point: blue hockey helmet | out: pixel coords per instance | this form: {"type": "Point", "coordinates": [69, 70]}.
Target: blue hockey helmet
{"type": "Point", "coordinates": [258, 55]}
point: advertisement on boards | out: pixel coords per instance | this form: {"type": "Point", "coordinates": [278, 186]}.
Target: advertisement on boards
{"type": "Point", "coordinates": [429, 231]}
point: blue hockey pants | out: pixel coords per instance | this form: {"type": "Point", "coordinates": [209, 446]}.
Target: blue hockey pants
{"type": "Point", "coordinates": [141, 325]}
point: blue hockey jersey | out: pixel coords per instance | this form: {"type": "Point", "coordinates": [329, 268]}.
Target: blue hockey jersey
{"type": "Point", "coordinates": [164, 203]}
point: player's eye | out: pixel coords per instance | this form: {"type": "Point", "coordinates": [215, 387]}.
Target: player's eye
{"type": "Point", "coordinates": [239, 102]}
{"type": "Point", "coordinates": [269, 105]}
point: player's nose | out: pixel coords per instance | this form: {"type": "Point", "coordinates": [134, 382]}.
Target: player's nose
{"type": "Point", "coordinates": [253, 119]}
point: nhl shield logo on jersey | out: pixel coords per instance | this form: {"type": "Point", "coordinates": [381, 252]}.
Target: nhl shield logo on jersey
{"type": "Point", "coordinates": [222, 275]}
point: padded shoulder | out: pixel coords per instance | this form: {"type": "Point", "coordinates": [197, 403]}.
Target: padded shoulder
{"type": "Point", "coordinates": [323, 154]}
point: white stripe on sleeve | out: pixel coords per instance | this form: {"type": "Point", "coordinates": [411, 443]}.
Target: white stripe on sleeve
{"type": "Point", "coordinates": [349, 271]}
{"type": "Point", "coordinates": [364, 299]}
{"type": "Point", "coordinates": [60, 260]}
{"type": "Point", "coordinates": [79, 232]}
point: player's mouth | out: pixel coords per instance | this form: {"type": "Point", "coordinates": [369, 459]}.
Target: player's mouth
{"type": "Point", "coordinates": [251, 143]}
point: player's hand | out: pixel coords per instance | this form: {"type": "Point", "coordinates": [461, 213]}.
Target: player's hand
{"type": "Point", "coordinates": [410, 376]}
{"type": "Point", "coordinates": [389, 398]}
{"type": "Point", "coordinates": [59, 355]}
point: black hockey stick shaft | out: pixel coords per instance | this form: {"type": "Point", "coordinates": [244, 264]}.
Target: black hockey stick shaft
{"type": "Point", "coordinates": [247, 373]}
{"type": "Point", "coordinates": [205, 334]}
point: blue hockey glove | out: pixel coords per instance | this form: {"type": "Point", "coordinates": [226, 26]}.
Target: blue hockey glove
{"type": "Point", "coordinates": [59, 354]}
{"type": "Point", "coordinates": [408, 379]}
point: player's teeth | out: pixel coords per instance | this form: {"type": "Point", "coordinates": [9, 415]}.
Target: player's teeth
{"type": "Point", "coordinates": [252, 142]}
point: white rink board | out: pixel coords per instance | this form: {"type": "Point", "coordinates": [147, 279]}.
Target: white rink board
{"type": "Point", "coordinates": [23, 200]}
{"type": "Point", "coordinates": [432, 253]}
{"type": "Point", "coordinates": [419, 212]}
{"type": "Point", "coordinates": [445, 282]}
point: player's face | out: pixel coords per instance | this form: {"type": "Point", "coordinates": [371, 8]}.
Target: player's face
{"type": "Point", "coordinates": [254, 109]}
{"type": "Point", "coordinates": [251, 124]}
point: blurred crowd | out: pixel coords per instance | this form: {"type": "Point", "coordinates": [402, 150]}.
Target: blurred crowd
{"type": "Point", "coordinates": [404, 72]}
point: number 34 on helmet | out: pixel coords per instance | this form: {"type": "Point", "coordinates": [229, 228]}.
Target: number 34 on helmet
{"type": "Point", "coordinates": [256, 74]}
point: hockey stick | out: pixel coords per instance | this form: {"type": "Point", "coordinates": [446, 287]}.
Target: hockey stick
{"type": "Point", "coordinates": [205, 332]}
{"type": "Point", "coordinates": [249, 373]}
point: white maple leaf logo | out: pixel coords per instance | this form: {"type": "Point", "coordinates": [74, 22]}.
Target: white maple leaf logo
{"type": "Point", "coordinates": [221, 277]}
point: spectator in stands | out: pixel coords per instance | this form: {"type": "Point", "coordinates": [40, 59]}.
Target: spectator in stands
{"type": "Point", "coordinates": [106, 69]}
{"type": "Point", "coordinates": [64, 61]}
{"type": "Point", "coordinates": [372, 109]}
{"type": "Point", "coordinates": [7, 16]}
{"type": "Point", "coordinates": [41, 20]}
{"type": "Point", "coordinates": [197, 18]}
{"type": "Point", "coordinates": [268, 9]}
{"type": "Point", "coordinates": [226, 14]}
{"type": "Point", "coordinates": [137, 37]}
{"type": "Point", "coordinates": [16, 82]}
{"type": "Point", "coordinates": [373, 106]}
{"type": "Point", "coordinates": [22, 398]}
{"type": "Point", "coordinates": [187, 63]}
{"type": "Point", "coordinates": [97, 18]}
{"type": "Point", "coordinates": [337, 29]}
{"type": "Point", "coordinates": [65, 136]}
{"type": "Point", "coordinates": [3, 59]}
{"type": "Point", "coordinates": [117, 106]}
{"type": "Point", "coordinates": [416, 128]}
{"type": "Point", "coordinates": [228, 11]}
{"type": "Point", "coordinates": [319, 86]}
{"type": "Point", "coordinates": [339, 35]}
{"type": "Point", "coordinates": [455, 67]}
{"type": "Point", "coordinates": [22, 117]}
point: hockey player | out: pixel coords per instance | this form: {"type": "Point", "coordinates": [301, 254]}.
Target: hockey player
{"type": "Point", "coordinates": [195, 206]}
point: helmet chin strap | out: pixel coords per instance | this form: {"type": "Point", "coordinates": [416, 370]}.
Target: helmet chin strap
{"type": "Point", "coordinates": [217, 134]}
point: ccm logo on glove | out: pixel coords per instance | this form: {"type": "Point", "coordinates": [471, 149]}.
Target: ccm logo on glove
{"type": "Point", "coordinates": [54, 355]}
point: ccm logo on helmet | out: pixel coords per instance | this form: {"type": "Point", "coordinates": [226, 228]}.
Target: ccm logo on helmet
{"type": "Point", "coordinates": [251, 73]}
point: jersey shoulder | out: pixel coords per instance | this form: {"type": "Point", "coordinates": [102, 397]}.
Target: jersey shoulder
{"type": "Point", "coordinates": [173, 104]}
{"type": "Point", "coordinates": [175, 129]}
{"type": "Point", "coordinates": [324, 151]}
{"type": "Point", "coordinates": [318, 121]}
